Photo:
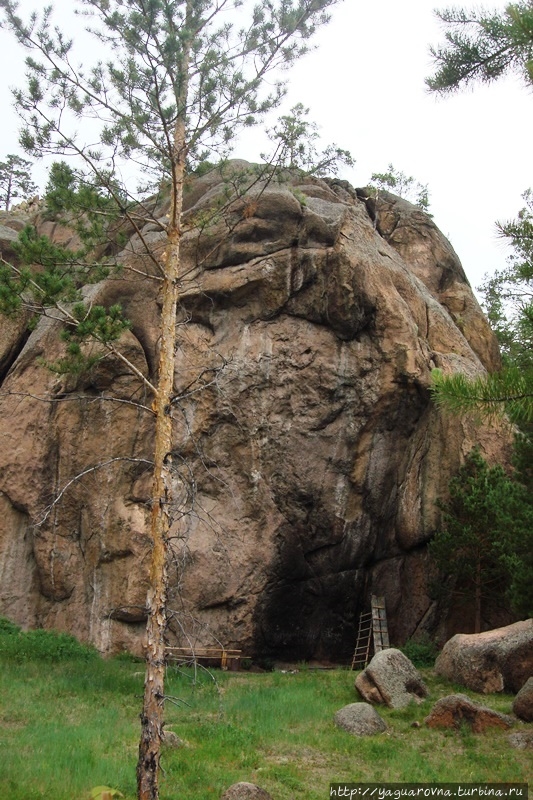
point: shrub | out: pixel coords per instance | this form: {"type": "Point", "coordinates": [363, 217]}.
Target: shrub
{"type": "Point", "coordinates": [421, 651]}
{"type": "Point", "coordinates": [41, 645]}
{"type": "Point", "coordinates": [7, 627]}
{"type": "Point", "coordinates": [125, 657]}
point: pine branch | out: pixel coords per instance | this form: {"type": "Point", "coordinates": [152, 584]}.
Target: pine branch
{"type": "Point", "coordinates": [509, 392]}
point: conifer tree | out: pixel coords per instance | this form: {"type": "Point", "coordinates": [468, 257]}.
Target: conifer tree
{"type": "Point", "coordinates": [296, 138]}
{"type": "Point", "coordinates": [482, 46]}
{"type": "Point", "coordinates": [15, 180]}
{"type": "Point", "coordinates": [403, 185]}
{"type": "Point", "coordinates": [485, 543]}
{"type": "Point", "coordinates": [178, 80]}
{"type": "Point", "coordinates": [508, 294]}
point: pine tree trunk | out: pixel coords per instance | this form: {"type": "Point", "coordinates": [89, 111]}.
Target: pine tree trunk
{"type": "Point", "coordinates": [152, 716]}
{"type": "Point", "coordinates": [477, 599]}
{"type": "Point", "coordinates": [153, 705]}
{"type": "Point", "coordinates": [8, 191]}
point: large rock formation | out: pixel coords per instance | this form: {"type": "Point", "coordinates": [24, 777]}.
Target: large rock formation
{"type": "Point", "coordinates": [312, 318]}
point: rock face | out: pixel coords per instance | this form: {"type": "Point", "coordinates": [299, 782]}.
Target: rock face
{"type": "Point", "coordinates": [493, 661]}
{"type": "Point", "coordinates": [303, 426]}
{"type": "Point", "coordinates": [523, 702]}
{"type": "Point", "coordinates": [391, 679]}
{"type": "Point", "coordinates": [457, 709]}
{"type": "Point", "coordinates": [360, 719]}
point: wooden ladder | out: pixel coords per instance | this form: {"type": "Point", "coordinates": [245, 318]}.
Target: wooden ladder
{"type": "Point", "coordinates": [372, 631]}
{"type": "Point", "coordinates": [364, 638]}
{"type": "Point", "coordinates": [379, 624]}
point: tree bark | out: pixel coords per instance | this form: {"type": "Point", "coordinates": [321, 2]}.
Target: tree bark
{"type": "Point", "coordinates": [8, 191]}
{"type": "Point", "coordinates": [477, 599]}
{"type": "Point", "coordinates": [152, 716]}
{"type": "Point", "coordinates": [154, 693]}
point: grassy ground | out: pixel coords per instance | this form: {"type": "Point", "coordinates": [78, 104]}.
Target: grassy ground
{"type": "Point", "coordinates": [69, 722]}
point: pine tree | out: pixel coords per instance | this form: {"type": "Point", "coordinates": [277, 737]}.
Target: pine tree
{"type": "Point", "coordinates": [181, 78]}
{"type": "Point", "coordinates": [15, 180]}
{"type": "Point", "coordinates": [508, 294]}
{"type": "Point", "coordinates": [490, 514]}
{"type": "Point", "coordinates": [296, 138]}
{"type": "Point", "coordinates": [485, 543]}
{"type": "Point", "coordinates": [483, 46]}
{"type": "Point", "coordinates": [403, 185]}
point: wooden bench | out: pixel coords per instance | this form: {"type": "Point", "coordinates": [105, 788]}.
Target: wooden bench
{"type": "Point", "coordinates": [229, 659]}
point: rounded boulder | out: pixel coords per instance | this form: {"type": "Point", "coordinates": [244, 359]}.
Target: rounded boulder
{"type": "Point", "coordinates": [360, 719]}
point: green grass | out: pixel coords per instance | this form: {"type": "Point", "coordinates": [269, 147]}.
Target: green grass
{"type": "Point", "coordinates": [70, 722]}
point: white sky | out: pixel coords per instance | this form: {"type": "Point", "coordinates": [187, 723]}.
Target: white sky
{"type": "Point", "coordinates": [365, 88]}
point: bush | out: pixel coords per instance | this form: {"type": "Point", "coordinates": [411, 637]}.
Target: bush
{"type": "Point", "coordinates": [7, 627]}
{"type": "Point", "coordinates": [422, 651]}
{"type": "Point", "coordinates": [39, 645]}
{"type": "Point", "coordinates": [125, 657]}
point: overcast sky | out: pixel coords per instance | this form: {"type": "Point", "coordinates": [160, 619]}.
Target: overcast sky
{"type": "Point", "coordinates": [365, 88]}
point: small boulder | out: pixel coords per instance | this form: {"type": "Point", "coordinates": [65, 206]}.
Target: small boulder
{"type": "Point", "coordinates": [392, 679]}
{"type": "Point", "coordinates": [456, 709]}
{"type": "Point", "coordinates": [521, 740]}
{"type": "Point", "coordinates": [523, 702]}
{"type": "Point", "coordinates": [493, 661]}
{"type": "Point", "coordinates": [360, 719]}
{"type": "Point", "coordinates": [245, 791]}
{"type": "Point", "coordinates": [171, 740]}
